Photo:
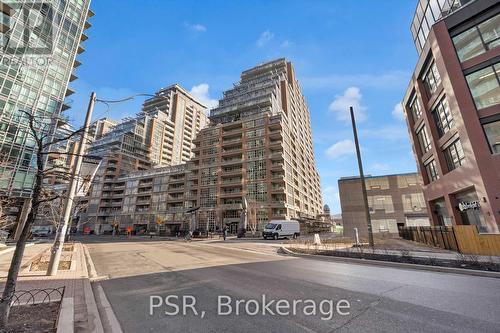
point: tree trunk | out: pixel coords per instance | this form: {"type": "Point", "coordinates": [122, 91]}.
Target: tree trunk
{"type": "Point", "coordinates": [15, 265]}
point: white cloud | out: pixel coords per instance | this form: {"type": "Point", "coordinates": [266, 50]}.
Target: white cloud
{"type": "Point", "coordinates": [398, 112]}
{"type": "Point", "coordinates": [264, 38]}
{"type": "Point", "coordinates": [196, 27]}
{"type": "Point", "coordinates": [341, 149]}
{"type": "Point", "coordinates": [351, 97]}
{"type": "Point", "coordinates": [286, 43]}
{"type": "Point", "coordinates": [201, 93]}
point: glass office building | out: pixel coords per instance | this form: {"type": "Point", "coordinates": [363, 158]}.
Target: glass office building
{"type": "Point", "coordinates": [39, 42]}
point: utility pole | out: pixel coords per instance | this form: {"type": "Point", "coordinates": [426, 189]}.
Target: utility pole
{"type": "Point", "coordinates": [362, 176]}
{"type": "Point", "coordinates": [55, 255]}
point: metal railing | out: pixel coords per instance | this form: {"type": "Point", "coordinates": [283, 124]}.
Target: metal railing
{"type": "Point", "coordinates": [37, 296]}
{"type": "Point", "coordinates": [438, 236]}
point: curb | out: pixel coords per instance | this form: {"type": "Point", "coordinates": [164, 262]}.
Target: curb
{"type": "Point", "coordinates": [450, 270]}
{"type": "Point", "coordinates": [89, 263]}
{"type": "Point", "coordinates": [66, 318]}
{"type": "Point", "coordinates": [110, 322]}
{"type": "Point", "coordinates": [103, 308]}
{"type": "Point", "coordinates": [93, 318]}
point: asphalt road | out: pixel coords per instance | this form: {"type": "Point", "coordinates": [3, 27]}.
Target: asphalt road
{"type": "Point", "coordinates": [381, 299]}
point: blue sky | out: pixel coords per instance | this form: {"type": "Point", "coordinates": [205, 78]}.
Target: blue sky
{"type": "Point", "coordinates": [344, 52]}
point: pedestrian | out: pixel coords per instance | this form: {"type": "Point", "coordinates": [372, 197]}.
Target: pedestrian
{"type": "Point", "coordinates": [224, 232]}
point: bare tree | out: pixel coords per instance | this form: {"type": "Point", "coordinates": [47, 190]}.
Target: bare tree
{"type": "Point", "coordinates": [38, 128]}
{"type": "Point", "coordinates": [7, 220]}
{"type": "Point", "coordinates": [7, 205]}
{"type": "Point", "coordinates": [252, 216]}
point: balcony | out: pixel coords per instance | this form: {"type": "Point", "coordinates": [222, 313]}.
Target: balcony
{"type": "Point", "coordinates": [276, 156]}
{"type": "Point", "coordinates": [231, 151]}
{"type": "Point", "coordinates": [231, 181]}
{"type": "Point", "coordinates": [231, 131]}
{"type": "Point", "coordinates": [227, 161]}
{"type": "Point", "coordinates": [231, 140]}
{"type": "Point", "coordinates": [176, 189]}
{"type": "Point", "coordinates": [277, 189]}
{"type": "Point", "coordinates": [277, 165]}
{"type": "Point", "coordinates": [232, 206]}
{"type": "Point", "coordinates": [70, 91]}
{"type": "Point", "coordinates": [231, 194]}
{"type": "Point", "coordinates": [230, 170]}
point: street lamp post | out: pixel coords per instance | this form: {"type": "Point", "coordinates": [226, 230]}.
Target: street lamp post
{"type": "Point", "coordinates": [55, 255]}
{"type": "Point", "coordinates": [362, 177]}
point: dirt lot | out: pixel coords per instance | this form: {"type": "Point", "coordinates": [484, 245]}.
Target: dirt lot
{"type": "Point", "coordinates": [33, 318]}
{"type": "Point", "coordinates": [37, 266]}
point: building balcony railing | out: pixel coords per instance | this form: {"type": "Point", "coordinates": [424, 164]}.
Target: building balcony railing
{"type": "Point", "coordinates": [231, 193]}
{"type": "Point", "coordinates": [232, 171]}
{"type": "Point", "coordinates": [231, 140]}
{"type": "Point", "coordinates": [277, 189]}
{"type": "Point", "coordinates": [231, 131]}
{"type": "Point", "coordinates": [232, 206]}
{"type": "Point", "coordinates": [231, 161]}
{"type": "Point", "coordinates": [176, 189]}
{"type": "Point", "coordinates": [231, 181]}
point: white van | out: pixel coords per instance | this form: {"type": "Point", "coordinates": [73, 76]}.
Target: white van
{"type": "Point", "coordinates": [281, 228]}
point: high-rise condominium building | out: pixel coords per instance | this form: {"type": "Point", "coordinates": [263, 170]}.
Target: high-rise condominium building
{"type": "Point", "coordinates": [160, 135]}
{"type": "Point", "coordinates": [182, 117]}
{"type": "Point", "coordinates": [100, 127]}
{"type": "Point", "coordinates": [34, 78]}
{"type": "Point", "coordinates": [257, 151]}
{"type": "Point", "coordinates": [452, 108]}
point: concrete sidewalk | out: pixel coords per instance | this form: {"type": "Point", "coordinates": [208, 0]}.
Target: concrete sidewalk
{"type": "Point", "coordinates": [79, 311]}
{"type": "Point", "coordinates": [344, 247]}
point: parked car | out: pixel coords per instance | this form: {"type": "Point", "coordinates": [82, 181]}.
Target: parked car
{"type": "Point", "coordinates": [40, 233]}
{"type": "Point", "coordinates": [281, 228]}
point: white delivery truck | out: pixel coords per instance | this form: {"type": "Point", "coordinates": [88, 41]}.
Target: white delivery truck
{"type": "Point", "coordinates": [281, 228]}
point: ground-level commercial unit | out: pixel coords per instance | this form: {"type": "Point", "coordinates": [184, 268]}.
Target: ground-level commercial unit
{"type": "Point", "coordinates": [452, 108]}
{"type": "Point", "coordinates": [393, 200]}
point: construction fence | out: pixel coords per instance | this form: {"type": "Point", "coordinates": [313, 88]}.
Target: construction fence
{"type": "Point", "coordinates": [461, 238]}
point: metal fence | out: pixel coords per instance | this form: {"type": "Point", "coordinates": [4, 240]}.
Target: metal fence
{"type": "Point", "coordinates": [438, 236]}
{"type": "Point", "coordinates": [37, 296]}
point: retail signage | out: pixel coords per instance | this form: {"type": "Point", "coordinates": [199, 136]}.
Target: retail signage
{"type": "Point", "coordinates": [468, 205]}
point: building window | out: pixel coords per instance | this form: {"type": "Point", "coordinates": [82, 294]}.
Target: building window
{"type": "Point", "coordinates": [415, 109]}
{"type": "Point", "coordinates": [380, 202]}
{"type": "Point", "coordinates": [454, 155]}
{"type": "Point", "coordinates": [492, 131]}
{"type": "Point", "coordinates": [478, 39]}
{"type": "Point", "coordinates": [431, 170]}
{"type": "Point", "coordinates": [484, 86]}
{"type": "Point", "coordinates": [377, 183]}
{"type": "Point", "coordinates": [423, 140]}
{"type": "Point", "coordinates": [413, 202]}
{"type": "Point", "coordinates": [442, 117]}
{"type": "Point", "coordinates": [431, 79]}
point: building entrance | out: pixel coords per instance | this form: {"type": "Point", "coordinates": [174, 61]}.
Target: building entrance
{"type": "Point", "coordinates": [470, 210]}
